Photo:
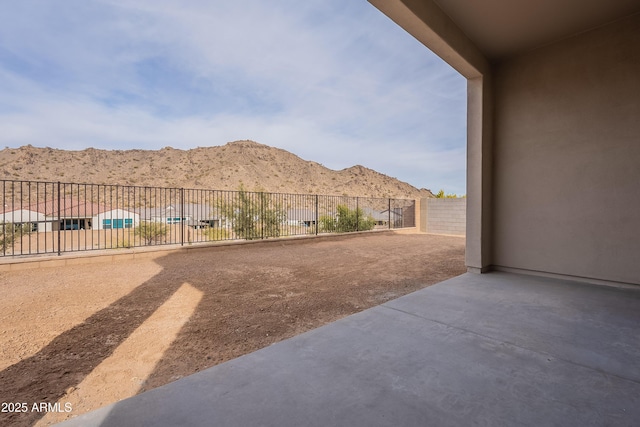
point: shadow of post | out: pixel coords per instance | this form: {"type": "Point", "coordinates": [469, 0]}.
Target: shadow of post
{"type": "Point", "coordinates": [71, 356]}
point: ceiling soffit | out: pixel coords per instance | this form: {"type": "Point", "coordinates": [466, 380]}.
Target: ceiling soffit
{"type": "Point", "coordinates": [501, 28]}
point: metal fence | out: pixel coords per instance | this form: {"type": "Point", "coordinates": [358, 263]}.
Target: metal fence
{"type": "Point", "coordinates": [56, 217]}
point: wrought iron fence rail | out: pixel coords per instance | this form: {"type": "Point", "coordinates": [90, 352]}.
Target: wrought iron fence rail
{"type": "Point", "coordinates": [55, 217]}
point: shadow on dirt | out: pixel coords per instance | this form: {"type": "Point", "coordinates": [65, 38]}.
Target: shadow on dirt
{"type": "Point", "coordinates": [71, 356]}
{"type": "Point", "coordinates": [252, 296]}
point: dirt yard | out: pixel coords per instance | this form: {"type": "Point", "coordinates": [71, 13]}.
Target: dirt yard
{"type": "Point", "coordinates": [73, 339]}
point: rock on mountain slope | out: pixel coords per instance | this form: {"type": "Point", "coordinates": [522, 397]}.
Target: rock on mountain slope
{"type": "Point", "coordinates": [256, 166]}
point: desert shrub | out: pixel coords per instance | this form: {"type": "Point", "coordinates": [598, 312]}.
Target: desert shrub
{"type": "Point", "coordinates": [151, 231]}
{"type": "Point", "coordinates": [215, 233]}
{"type": "Point", "coordinates": [10, 232]}
{"type": "Point", "coordinates": [346, 220]}
{"type": "Point", "coordinates": [124, 243]}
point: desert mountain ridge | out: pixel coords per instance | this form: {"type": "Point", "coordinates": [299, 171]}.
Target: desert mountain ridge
{"type": "Point", "coordinates": [256, 166]}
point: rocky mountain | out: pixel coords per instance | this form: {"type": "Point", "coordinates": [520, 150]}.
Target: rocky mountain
{"type": "Point", "coordinates": [256, 166]}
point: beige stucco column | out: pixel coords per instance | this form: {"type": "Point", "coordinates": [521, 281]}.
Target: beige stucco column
{"type": "Point", "coordinates": [479, 173]}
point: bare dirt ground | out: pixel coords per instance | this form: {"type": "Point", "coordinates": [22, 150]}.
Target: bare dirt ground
{"type": "Point", "coordinates": [73, 339]}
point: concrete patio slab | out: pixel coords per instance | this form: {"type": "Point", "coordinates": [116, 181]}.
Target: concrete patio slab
{"type": "Point", "coordinates": [498, 349]}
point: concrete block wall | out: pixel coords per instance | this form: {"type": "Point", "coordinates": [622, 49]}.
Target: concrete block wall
{"type": "Point", "coordinates": [409, 216]}
{"type": "Point", "coordinates": [443, 216]}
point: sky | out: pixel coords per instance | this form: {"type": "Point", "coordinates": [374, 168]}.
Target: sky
{"type": "Point", "coordinates": [332, 81]}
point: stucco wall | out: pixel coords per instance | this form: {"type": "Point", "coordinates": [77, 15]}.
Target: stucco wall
{"type": "Point", "coordinates": [567, 157]}
{"type": "Point", "coordinates": [443, 216]}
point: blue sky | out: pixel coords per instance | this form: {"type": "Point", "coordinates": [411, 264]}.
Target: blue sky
{"type": "Point", "coordinates": [333, 81]}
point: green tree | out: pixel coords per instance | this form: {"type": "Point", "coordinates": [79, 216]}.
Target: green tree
{"type": "Point", "coordinates": [151, 231]}
{"type": "Point", "coordinates": [346, 220]}
{"type": "Point", "coordinates": [254, 215]}
{"type": "Point", "coordinates": [441, 195]}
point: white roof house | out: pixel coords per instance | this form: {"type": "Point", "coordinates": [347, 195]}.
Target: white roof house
{"type": "Point", "coordinates": [71, 214]}
{"type": "Point", "coordinates": [24, 216]}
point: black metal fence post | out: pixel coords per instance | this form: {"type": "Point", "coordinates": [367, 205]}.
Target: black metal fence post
{"type": "Point", "coordinates": [59, 236]}
{"type": "Point", "coordinates": [357, 213]}
{"type": "Point", "coordinates": [261, 195]}
{"type": "Point", "coordinates": [182, 217]}
{"type": "Point", "coordinates": [4, 217]}
{"type": "Point", "coordinates": [316, 219]}
{"type": "Point", "coordinates": [389, 212]}
{"type": "Point", "coordinates": [4, 222]}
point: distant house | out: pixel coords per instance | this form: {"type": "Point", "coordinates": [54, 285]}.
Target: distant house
{"type": "Point", "coordinates": [115, 219]}
{"type": "Point", "coordinates": [71, 214]}
{"type": "Point", "coordinates": [302, 217]}
{"type": "Point", "coordinates": [26, 215]}
{"type": "Point", "coordinates": [383, 217]}
{"type": "Point", "coordinates": [191, 214]}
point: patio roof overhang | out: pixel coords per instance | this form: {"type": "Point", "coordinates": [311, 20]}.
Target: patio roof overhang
{"type": "Point", "coordinates": [501, 28]}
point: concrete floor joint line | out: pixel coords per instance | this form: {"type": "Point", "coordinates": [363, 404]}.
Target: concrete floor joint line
{"type": "Point", "coordinates": [541, 353]}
